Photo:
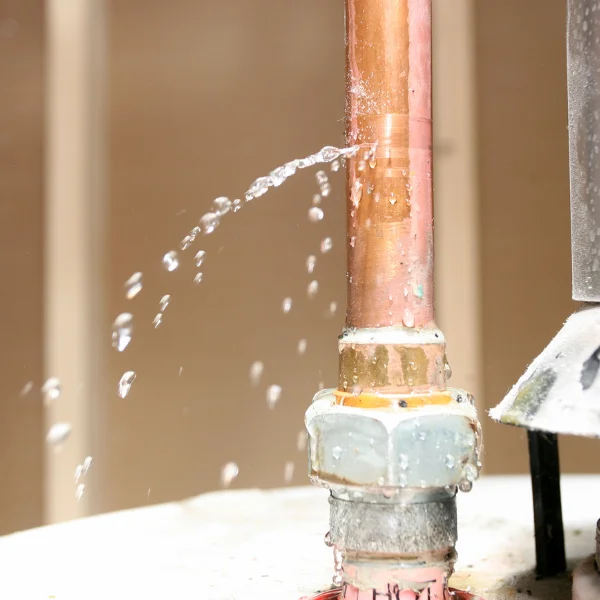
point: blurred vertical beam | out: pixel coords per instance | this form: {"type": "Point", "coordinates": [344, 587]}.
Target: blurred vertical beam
{"type": "Point", "coordinates": [74, 158]}
{"type": "Point", "coordinates": [455, 180]}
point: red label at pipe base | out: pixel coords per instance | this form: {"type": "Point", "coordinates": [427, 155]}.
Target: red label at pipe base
{"type": "Point", "coordinates": [336, 594]}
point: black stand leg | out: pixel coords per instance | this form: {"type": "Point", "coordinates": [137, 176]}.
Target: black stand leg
{"type": "Point", "coordinates": [547, 509]}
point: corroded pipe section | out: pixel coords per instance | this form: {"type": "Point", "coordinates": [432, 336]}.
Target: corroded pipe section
{"type": "Point", "coordinates": [583, 61]}
{"type": "Point", "coordinates": [390, 219]}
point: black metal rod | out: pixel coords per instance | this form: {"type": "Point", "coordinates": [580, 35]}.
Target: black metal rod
{"type": "Point", "coordinates": [547, 508]}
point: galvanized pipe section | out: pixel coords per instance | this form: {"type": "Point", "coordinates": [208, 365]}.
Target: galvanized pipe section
{"type": "Point", "coordinates": [583, 62]}
{"type": "Point", "coordinates": [390, 218]}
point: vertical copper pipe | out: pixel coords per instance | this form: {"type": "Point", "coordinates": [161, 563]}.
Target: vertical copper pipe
{"type": "Point", "coordinates": [389, 190]}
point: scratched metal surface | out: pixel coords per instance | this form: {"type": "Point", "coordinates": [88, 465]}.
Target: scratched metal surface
{"type": "Point", "coordinates": [253, 545]}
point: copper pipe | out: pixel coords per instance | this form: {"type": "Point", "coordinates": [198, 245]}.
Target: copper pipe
{"type": "Point", "coordinates": [389, 190]}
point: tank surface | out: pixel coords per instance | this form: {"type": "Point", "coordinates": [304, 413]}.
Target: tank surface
{"type": "Point", "coordinates": [268, 545]}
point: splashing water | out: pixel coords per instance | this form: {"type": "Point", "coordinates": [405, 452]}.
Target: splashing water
{"type": "Point", "coordinates": [315, 214]}
{"type": "Point", "coordinates": [326, 245]}
{"type": "Point", "coordinates": [313, 288]}
{"type": "Point", "coordinates": [125, 383]}
{"type": "Point", "coordinates": [26, 389]}
{"type": "Point", "coordinates": [273, 395]}
{"type": "Point", "coordinates": [221, 205]}
{"type": "Point", "coordinates": [58, 433]}
{"type": "Point", "coordinates": [164, 302]}
{"type": "Point", "coordinates": [256, 371]}
{"type": "Point", "coordinates": [209, 222]}
{"type": "Point", "coordinates": [122, 331]}
{"type": "Point", "coordinates": [301, 441]}
{"type": "Point", "coordinates": [79, 491]}
{"type": "Point", "coordinates": [133, 286]}
{"type": "Point", "coordinates": [199, 258]}
{"type": "Point", "coordinates": [288, 471]}
{"type": "Point", "coordinates": [51, 389]}
{"type": "Point", "coordinates": [171, 260]}
{"type": "Point", "coordinates": [228, 473]}
{"type": "Point", "coordinates": [327, 154]}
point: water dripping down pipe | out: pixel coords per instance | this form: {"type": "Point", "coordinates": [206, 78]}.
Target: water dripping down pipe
{"type": "Point", "coordinates": [392, 443]}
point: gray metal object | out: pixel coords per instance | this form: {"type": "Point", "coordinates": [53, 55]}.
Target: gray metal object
{"type": "Point", "coordinates": [435, 447]}
{"type": "Point", "coordinates": [393, 528]}
{"type": "Point", "coordinates": [560, 390]}
{"type": "Point", "coordinates": [583, 62]}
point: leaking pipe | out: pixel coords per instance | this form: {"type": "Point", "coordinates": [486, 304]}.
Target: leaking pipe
{"type": "Point", "coordinates": [583, 62]}
{"type": "Point", "coordinates": [390, 218]}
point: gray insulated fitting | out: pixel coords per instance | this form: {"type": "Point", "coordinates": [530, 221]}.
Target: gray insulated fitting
{"type": "Point", "coordinates": [393, 528]}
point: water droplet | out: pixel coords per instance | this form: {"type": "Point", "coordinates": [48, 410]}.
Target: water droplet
{"type": "Point", "coordinates": [78, 473]}
{"type": "Point", "coordinates": [356, 390]}
{"type": "Point", "coordinates": [221, 205]}
{"type": "Point", "coordinates": [422, 435]}
{"type": "Point", "coordinates": [186, 242]}
{"type": "Point", "coordinates": [273, 395]}
{"type": "Point", "coordinates": [236, 205]}
{"type": "Point", "coordinates": [302, 346]}
{"type": "Point", "coordinates": [199, 258]}
{"type": "Point", "coordinates": [465, 485]}
{"type": "Point", "coordinates": [337, 579]}
{"type": "Point", "coordinates": [337, 452]}
{"type": "Point", "coordinates": [327, 540]}
{"type": "Point", "coordinates": [228, 473]}
{"type": "Point", "coordinates": [471, 472]}
{"type": "Point", "coordinates": [329, 153]}
{"type": "Point", "coordinates": [408, 318]}
{"type": "Point", "coordinates": [447, 370]}
{"type": "Point", "coordinates": [313, 288]}
{"type": "Point", "coordinates": [133, 286]}
{"type": "Point", "coordinates": [198, 278]}
{"type": "Point", "coordinates": [311, 261]}
{"type": "Point", "coordinates": [256, 371]}
{"type": "Point", "coordinates": [51, 389]}
{"type": "Point", "coordinates": [333, 307]}
{"type": "Point", "coordinates": [287, 305]}
{"type": "Point", "coordinates": [125, 383]}
{"type": "Point", "coordinates": [325, 190]}
{"type": "Point", "coordinates": [288, 471]}
{"type": "Point", "coordinates": [209, 222]}
{"type": "Point", "coordinates": [301, 441]}
{"type": "Point", "coordinates": [26, 389]}
{"type": "Point", "coordinates": [326, 245]}
{"type": "Point", "coordinates": [87, 463]}
{"type": "Point", "coordinates": [335, 165]}
{"type": "Point", "coordinates": [171, 261]}
{"type": "Point", "coordinates": [122, 331]}
{"type": "Point", "coordinates": [321, 177]}
{"type": "Point", "coordinates": [259, 187]}
{"type": "Point", "coordinates": [58, 433]}
{"type": "Point", "coordinates": [79, 491]}
{"type": "Point", "coordinates": [403, 462]}
{"type": "Point", "coordinates": [157, 320]}
{"type": "Point", "coordinates": [315, 214]}
{"type": "Point", "coordinates": [362, 165]}
{"type": "Point", "coordinates": [450, 461]}
{"type": "Point", "coordinates": [419, 291]}
{"type": "Point", "coordinates": [164, 302]}
{"type": "Point", "coordinates": [316, 199]}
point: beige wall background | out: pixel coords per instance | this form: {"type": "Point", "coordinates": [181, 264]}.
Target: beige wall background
{"type": "Point", "coordinates": [201, 99]}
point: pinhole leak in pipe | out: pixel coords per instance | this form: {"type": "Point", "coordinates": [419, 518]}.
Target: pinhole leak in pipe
{"type": "Point", "coordinates": [392, 443]}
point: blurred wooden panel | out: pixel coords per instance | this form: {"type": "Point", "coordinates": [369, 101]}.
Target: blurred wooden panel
{"type": "Point", "coordinates": [21, 262]}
